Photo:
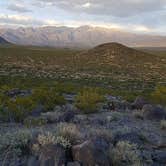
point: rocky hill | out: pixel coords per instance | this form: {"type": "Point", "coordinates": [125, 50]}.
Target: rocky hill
{"type": "Point", "coordinates": [84, 36]}
{"type": "Point", "coordinates": [121, 61]}
{"type": "Point", "coordinates": [107, 63]}
{"type": "Point", "coordinates": [3, 41]}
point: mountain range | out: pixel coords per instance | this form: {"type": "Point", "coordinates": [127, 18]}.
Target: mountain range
{"type": "Point", "coordinates": [84, 36]}
{"type": "Point", "coordinates": [3, 41]}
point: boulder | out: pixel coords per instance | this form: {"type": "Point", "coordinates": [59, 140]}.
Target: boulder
{"type": "Point", "coordinates": [153, 112]}
{"type": "Point", "coordinates": [32, 161]}
{"type": "Point", "coordinates": [73, 163]}
{"type": "Point", "coordinates": [52, 155]}
{"type": "Point", "coordinates": [18, 92]}
{"type": "Point", "coordinates": [92, 152]}
{"type": "Point", "coordinates": [159, 157]}
{"type": "Point", "coordinates": [67, 116]}
{"type": "Point", "coordinates": [139, 103]}
{"type": "Point", "coordinates": [56, 117]}
{"type": "Point", "coordinates": [69, 97]}
{"type": "Point", "coordinates": [132, 137]}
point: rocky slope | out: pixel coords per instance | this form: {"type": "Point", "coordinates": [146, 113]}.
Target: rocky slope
{"type": "Point", "coordinates": [121, 61]}
{"type": "Point", "coordinates": [3, 41]}
{"type": "Point", "coordinates": [84, 36]}
{"type": "Point", "coordinates": [110, 137]}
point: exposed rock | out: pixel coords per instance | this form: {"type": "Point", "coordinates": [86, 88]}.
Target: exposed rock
{"type": "Point", "coordinates": [92, 152]}
{"type": "Point", "coordinates": [132, 137]}
{"type": "Point", "coordinates": [32, 161]}
{"type": "Point", "coordinates": [56, 117]}
{"type": "Point", "coordinates": [37, 111]}
{"type": "Point", "coordinates": [73, 163]}
{"type": "Point", "coordinates": [52, 155]}
{"type": "Point", "coordinates": [18, 92]}
{"type": "Point", "coordinates": [159, 157]}
{"type": "Point", "coordinates": [84, 36]}
{"type": "Point", "coordinates": [67, 116]}
{"type": "Point", "coordinates": [153, 112]}
{"type": "Point", "coordinates": [139, 103]}
{"type": "Point", "coordinates": [69, 97]}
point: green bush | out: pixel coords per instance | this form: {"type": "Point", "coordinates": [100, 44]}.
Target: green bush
{"type": "Point", "coordinates": [87, 100]}
{"type": "Point", "coordinates": [69, 131]}
{"type": "Point", "coordinates": [31, 121]}
{"type": "Point", "coordinates": [48, 138]}
{"type": "Point", "coordinates": [48, 98]}
{"type": "Point", "coordinates": [125, 154]}
{"type": "Point", "coordinates": [15, 143]}
{"type": "Point", "coordinates": [163, 124]}
{"type": "Point", "coordinates": [159, 95]}
{"type": "Point", "coordinates": [18, 108]}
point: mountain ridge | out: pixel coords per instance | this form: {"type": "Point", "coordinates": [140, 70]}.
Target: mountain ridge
{"type": "Point", "coordinates": [84, 36]}
{"type": "Point", "coordinates": [3, 41]}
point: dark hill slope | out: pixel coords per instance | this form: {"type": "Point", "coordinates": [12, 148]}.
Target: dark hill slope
{"type": "Point", "coordinates": [3, 41]}
{"type": "Point", "coordinates": [120, 61]}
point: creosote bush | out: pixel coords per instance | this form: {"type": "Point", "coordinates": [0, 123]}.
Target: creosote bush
{"type": "Point", "coordinates": [33, 121]}
{"type": "Point", "coordinates": [124, 154]}
{"type": "Point", "coordinates": [159, 95]}
{"type": "Point", "coordinates": [163, 124]}
{"type": "Point", "coordinates": [138, 114]}
{"type": "Point", "coordinates": [88, 99]}
{"type": "Point", "coordinates": [48, 98]}
{"type": "Point", "coordinates": [15, 143]}
{"type": "Point", "coordinates": [69, 131]}
{"type": "Point", "coordinates": [49, 138]}
{"type": "Point", "coordinates": [16, 109]}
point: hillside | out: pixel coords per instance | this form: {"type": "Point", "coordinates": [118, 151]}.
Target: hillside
{"type": "Point", "coordinates": [53, 111]}
{"type": "Point", "coordinates": [112, 64]}
{"type": "Point", "coordinates": [82, 37]}
{"type": "Point", "coordinates": [3, 41]}
{"type": "Point", "coordinates": [122, 62]}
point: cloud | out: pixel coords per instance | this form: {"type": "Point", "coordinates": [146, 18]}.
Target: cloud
{"type": "Point", "coordinates": [18, 20]}
{"type": "Point", "coordinates": [18, 8]}
{"type": "Point", "coordinates": [87, 5]}
{"type": "Point", "coordinates": [117, 8]}
{"type": "Point", "coordinates": [137, 15]}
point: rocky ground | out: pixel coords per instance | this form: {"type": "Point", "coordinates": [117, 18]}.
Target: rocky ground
{"type": "Point", "coordinates": [120, 133]}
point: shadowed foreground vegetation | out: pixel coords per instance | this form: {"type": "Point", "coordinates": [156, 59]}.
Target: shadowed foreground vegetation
{"type": "Point", "coordinates": [57, 105]}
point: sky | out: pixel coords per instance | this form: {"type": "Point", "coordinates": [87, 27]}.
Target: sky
{"type": "Point", "coordinates": [141, 16]}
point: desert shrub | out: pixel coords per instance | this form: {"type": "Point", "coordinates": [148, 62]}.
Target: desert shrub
{"type": "Point", "coordinates": [87, 100]}
{"type": "Point", "coordinates": [100, 132]}
{"type": "Point", "coordinates": [125, 153]}
{"type": "Point", "coordinates": [4, 88]}
{"type": "Point", "coordinates": [18, 108]}
{"type": "Point", "coordinates": [69, 131]}
{"type": "Point", "coordinates": [122, 130]}
{"type": "Point", "coordinates": [32, 121]}
{"type": "Point", "coordinates": [138, 114]}
{"type": "Point", "coordinates": [115, 116]}
{"type": "Point", "coordinates": [48, 138]}
{"type": "Point", "coordinates": [48, 98]}
{"type": "Point", "coordinates": [163, 124]}
{"type": "Point", "coordinates": [15, 143]}
{"type": "Point", "coordinates": [159, 95]}
{"type": "Point", "coordinates": [64, 87]}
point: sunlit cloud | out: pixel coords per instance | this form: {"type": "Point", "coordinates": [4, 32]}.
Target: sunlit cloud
{"type": "Point", "coordinates": [86, 5]}
{"type": "Point", "coordinates": [142, 16]}
{"type": "Point", "coordinates": [18, 8]}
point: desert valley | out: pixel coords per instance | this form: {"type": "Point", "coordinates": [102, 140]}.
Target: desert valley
{"type": "Point", "coordinates": [81, 95]}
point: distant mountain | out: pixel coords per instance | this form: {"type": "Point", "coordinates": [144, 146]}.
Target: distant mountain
{"type": "Point", "coordinates": [3, 41]}
{"type": "Point", "coordinates": [84, 36]}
